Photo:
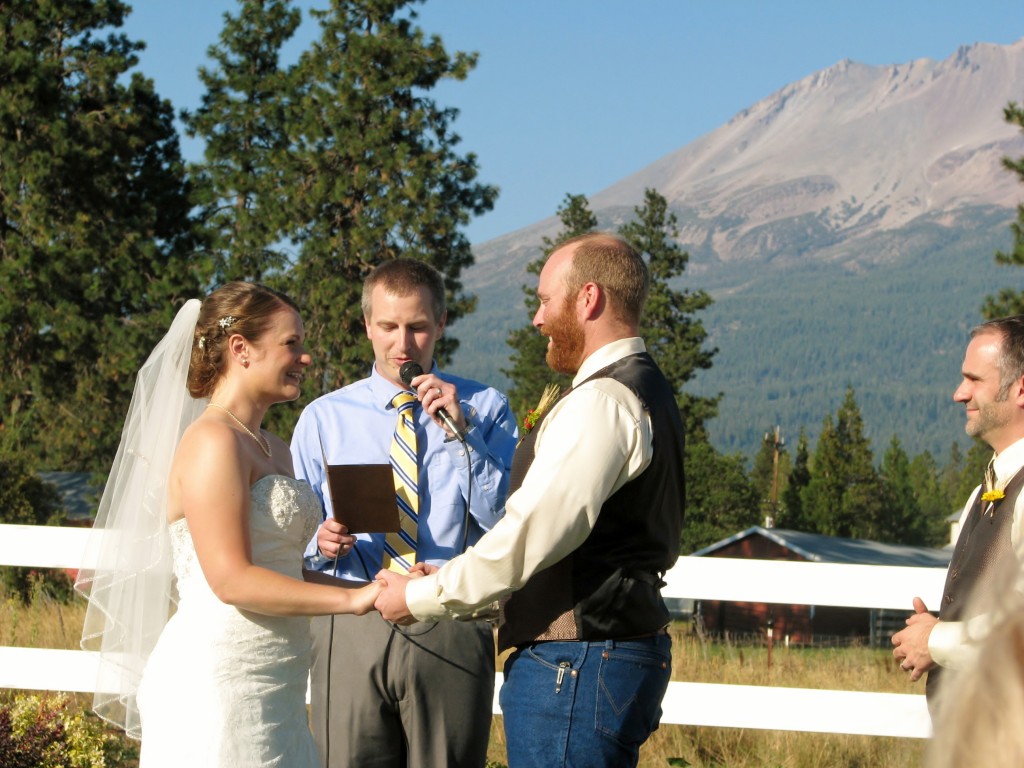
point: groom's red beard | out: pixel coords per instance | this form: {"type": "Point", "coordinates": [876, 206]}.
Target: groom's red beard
{"type": "Point", "coordinates": [565, 350]}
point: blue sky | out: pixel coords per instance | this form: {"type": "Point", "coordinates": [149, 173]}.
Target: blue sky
{"type": "Point", "coordinates": [569, 96]}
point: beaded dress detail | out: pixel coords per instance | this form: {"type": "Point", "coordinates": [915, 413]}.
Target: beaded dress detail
{"type": "Point", "coordinates": [225, 686]}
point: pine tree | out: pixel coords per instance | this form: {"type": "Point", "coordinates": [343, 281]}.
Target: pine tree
{"type": "Point", "coordinates": [952, 471]}
{"type": "Point", "coordinates": [26, 499]}
{"type": "Point", "coordinates": [901, 520]}
{"type": "Point", "coordinates": [673, 334]}
{"type": "Point", "coordinates": [95, 232]}
{"type": "Point", "coordinates": [975, 462]}
{"type": "Point", "coordinates": [822, 499]}
{"type": "Point", "coordinates": [243, 122]}
{"type": "Point", "coordinates": [926, 478]}
{"type": "Point", "coordinates": [1010, 301]}
{"type": "Point", "coordinates": [528, 371]}
{"type": "Point", "coordinates": [720, 501]}
{"type": "Point", "coordinates": [373, 174]}
{"type": "Point", "coordinates": [792, 514]}
{"type": "Point", "coordinates": [842, 497]}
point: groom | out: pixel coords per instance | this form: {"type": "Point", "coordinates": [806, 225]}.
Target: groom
{"type": "Point", "coordinates": [592, 524]}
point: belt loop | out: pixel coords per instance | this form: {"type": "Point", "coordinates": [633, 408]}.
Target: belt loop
{"type": "Point", "coordinates": [609, 645]}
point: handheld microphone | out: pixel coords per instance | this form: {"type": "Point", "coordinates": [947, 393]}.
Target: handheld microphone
{"type": "Point", "coordinates": [410, 371]}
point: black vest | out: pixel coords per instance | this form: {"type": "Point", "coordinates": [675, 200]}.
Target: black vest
{"type": "Point", "coordinates": [983, 544]}
{"type": "Point", "coordinates": [608, 588]}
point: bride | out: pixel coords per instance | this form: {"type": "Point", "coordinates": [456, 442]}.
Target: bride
{"type": "Point", "coordinates": [202, 518]}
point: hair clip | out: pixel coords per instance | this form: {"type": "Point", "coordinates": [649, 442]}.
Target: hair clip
{"type": "Point", "coordinates": [202, 342]}
{"type": "Point", "coordinates": [226, 322]}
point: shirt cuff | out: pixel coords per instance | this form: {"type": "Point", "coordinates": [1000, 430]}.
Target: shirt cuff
{"type": "Point", "coordinates": [421, 596]}
{"type": "Point", "coordinates": [470, 439]}
{"type": "Point", "coordinates": [948, 644]}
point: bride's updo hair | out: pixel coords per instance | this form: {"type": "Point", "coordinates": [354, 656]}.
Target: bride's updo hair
{"type": "Point", "coordinates": [244, 308]}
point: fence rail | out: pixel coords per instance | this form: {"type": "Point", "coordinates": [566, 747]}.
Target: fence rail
{"type": "Point", "coordinates": [685, 703]}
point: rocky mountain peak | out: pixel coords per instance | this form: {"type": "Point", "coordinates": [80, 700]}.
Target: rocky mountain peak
{"type": "Point", "coordinates": [845, 227]}
{"type": "Point", "coordinates": [860, 148]}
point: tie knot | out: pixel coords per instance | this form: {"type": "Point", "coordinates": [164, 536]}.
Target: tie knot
{"type": "Point", "coordinates": [403, 401]}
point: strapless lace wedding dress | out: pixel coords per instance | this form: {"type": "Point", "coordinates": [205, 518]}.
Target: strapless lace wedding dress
{"type": "Point", "coordinates": [226, 687]}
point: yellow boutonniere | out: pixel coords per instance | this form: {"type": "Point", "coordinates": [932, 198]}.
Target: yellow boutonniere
{"type": "Point", "coordinates": [547, 399]}
{"type": "Point", "coordinates": [994, 495]}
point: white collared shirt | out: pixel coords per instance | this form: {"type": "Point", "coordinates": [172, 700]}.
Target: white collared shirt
{"type": "Point", "coordinates": [588, 446]}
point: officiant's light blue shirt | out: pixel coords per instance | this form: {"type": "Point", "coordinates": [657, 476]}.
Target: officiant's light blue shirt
{"type": "Point", "coordinates": [355, 425]}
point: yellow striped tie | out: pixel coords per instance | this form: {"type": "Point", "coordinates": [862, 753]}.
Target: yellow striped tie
{"type": "Point", "coordinates": [400, 547]}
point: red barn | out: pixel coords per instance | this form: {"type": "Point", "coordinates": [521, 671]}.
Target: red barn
{"type": "Point", "coordinates": [809, 624]}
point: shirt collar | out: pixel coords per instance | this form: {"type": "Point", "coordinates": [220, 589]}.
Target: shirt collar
{"type": "Point", "coordinates": [608, 354]}
{"type": "Point", "coordinates": [384, 390]}
{"type": "Point", "coordinates": [1009, 461]}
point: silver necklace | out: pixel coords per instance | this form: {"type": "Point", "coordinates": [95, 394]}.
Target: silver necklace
{"type": "Point", "coordinates": [264, 444]}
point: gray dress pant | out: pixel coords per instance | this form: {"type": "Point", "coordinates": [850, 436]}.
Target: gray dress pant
{"type": "Point", "coordinates": [384, 696]}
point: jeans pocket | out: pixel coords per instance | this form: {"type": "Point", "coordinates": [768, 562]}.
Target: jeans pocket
{"type": "Point", "coordinates": [632, 681]}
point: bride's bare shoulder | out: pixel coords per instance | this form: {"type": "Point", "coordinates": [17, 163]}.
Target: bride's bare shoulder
{"type": "Point", "coordinates": [205, 444]}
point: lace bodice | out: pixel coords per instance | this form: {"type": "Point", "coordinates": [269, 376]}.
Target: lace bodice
{"type": "Point", "coordinates": [283, 517]}
{"type": "Point", "coordinates": [234, 680]}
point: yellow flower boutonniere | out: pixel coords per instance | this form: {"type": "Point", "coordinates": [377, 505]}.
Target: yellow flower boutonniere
{"type": "Point", "coordinates": [991, 498]}
{"type": "Point", "coordinates": [547, 399]}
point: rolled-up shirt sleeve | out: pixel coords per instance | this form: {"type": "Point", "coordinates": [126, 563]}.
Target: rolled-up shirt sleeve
{"type": "Point", "coordinates": [588, 446]}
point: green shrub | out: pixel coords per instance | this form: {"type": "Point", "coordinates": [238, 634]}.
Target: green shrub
{"type": "Point", "coordinates": [51, 732]}
{"type": "Point", "coordinates": [26, 499]}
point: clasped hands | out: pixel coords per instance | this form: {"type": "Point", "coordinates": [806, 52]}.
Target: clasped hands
{"type": "Point", "coordinates": [911, 644]}
{"type": "Point", "coordinates": [334, 540]}
{"type": "Point", "coordinates": [390, 601]}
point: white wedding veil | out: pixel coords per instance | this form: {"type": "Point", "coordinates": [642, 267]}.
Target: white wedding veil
{"type": "Point", "coordinates": [128, 579]}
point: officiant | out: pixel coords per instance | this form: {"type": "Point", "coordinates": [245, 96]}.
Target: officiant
{"type": "Point", "coordinates": [420, 695]}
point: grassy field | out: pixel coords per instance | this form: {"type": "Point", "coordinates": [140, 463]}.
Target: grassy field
{"type": "Point", "coordinates": [852, 669]}
{"type": "Point", "coordinates": [48, 624]}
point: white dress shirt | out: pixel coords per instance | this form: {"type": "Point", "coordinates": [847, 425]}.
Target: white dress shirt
{"type": "Point", "coordinates": [588, 446]}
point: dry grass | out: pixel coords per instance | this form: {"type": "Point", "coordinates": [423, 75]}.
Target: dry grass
{"type": "Point", "coordinates": [49, 624]}
{"type": "Point", "coordinates": [44, 623]}
{"type": "Point", "coordinates": [852, 669]}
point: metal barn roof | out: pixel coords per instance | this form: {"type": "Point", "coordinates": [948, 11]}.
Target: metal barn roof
{"type": "Point", "coordinates": [819, 548]}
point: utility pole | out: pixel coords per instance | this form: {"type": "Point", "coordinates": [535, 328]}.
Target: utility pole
{"type": "Point", "coordinates": [776, 440]}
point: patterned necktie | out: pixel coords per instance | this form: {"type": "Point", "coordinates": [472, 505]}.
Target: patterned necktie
{"type": "Point", "coordinates": [400, 547]}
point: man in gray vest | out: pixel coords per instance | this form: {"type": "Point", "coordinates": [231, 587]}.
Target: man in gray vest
{"type": "Point", "coordinates": [591, 525]}
{"type": "Point", "coordinates": [992, 389]}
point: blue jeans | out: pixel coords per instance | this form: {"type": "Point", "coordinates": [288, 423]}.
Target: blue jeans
{"type": "Point", "coordinates": [583, 704]}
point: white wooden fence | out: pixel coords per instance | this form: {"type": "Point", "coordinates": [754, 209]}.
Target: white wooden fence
{"type": "Point", "coordinates": [685, 703]}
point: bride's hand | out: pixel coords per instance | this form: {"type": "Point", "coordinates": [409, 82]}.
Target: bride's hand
{"type": "Point", "coordinates": [362, 598]}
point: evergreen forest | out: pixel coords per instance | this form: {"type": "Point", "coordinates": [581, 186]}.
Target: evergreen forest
{"type": "Point", "coordinates": [314, 172]}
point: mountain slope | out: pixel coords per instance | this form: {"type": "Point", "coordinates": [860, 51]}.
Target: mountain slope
{"type": "Point", "coordinates": [845, 226]}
